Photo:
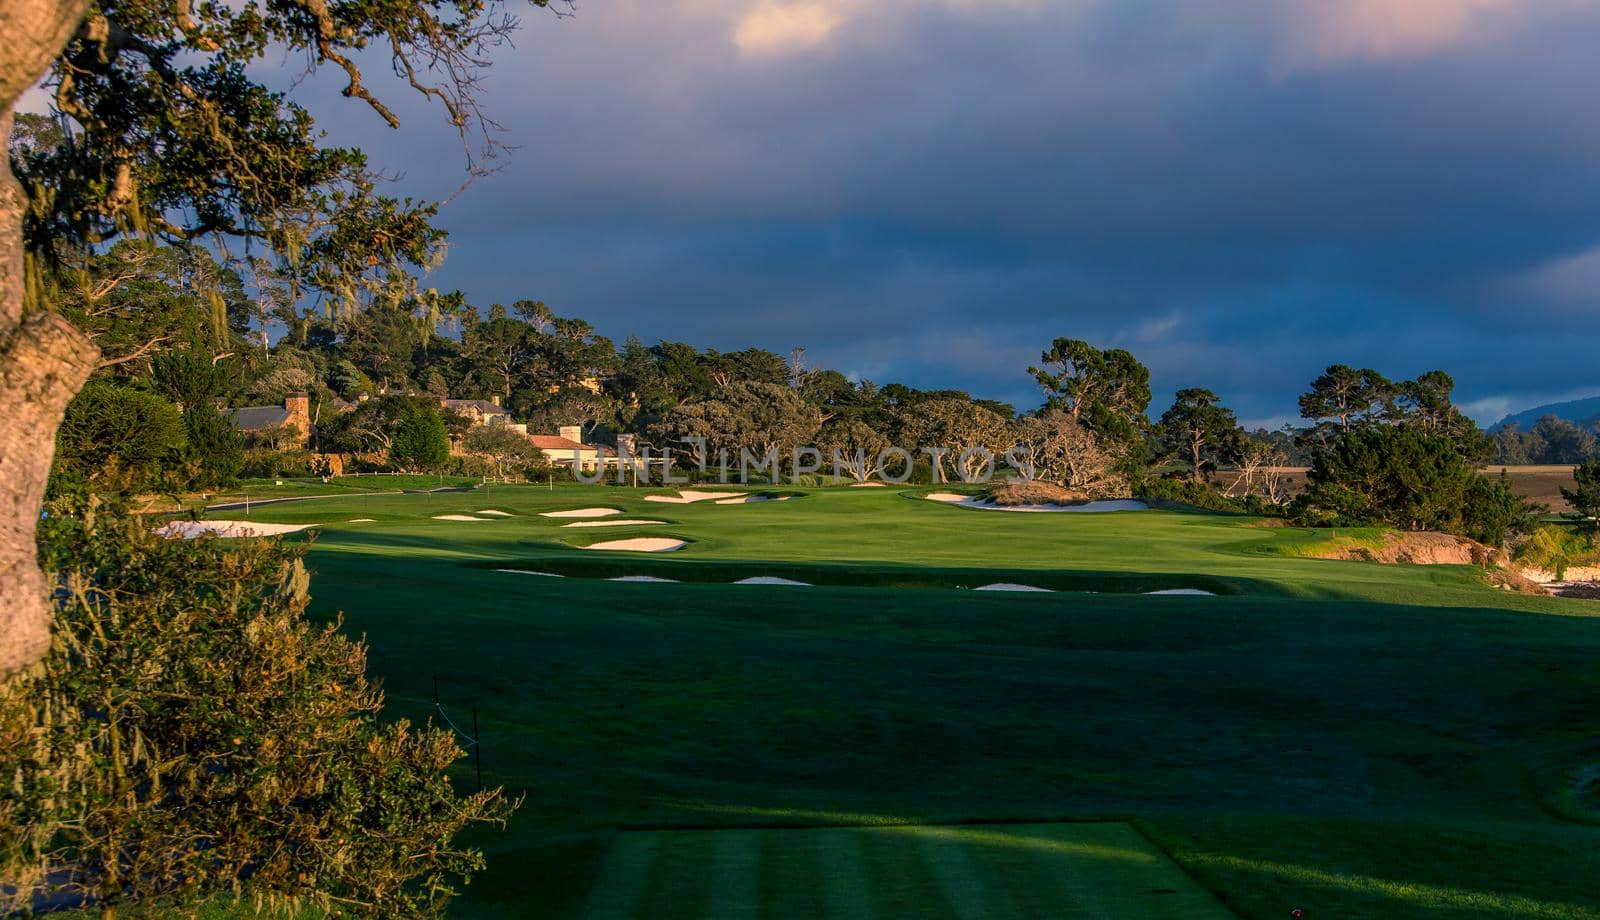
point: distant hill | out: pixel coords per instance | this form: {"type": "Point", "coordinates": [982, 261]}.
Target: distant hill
{"type": "Point", "coordinates": [1578, 411]}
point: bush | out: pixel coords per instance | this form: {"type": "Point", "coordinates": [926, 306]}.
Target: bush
{"type": "Point", "coordinates": [111, 425]}
{"type": "Point", "coordinates": [1556, 549]}
{"type": "Point", "coordinates": [1186, 491]}
{"type": "Point", "coordinates": [260, 463]}
{"type": "Point", "coordinates": [191, 735]}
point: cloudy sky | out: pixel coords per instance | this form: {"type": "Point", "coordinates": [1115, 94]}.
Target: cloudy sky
{"type": "Point", "coordinates": [1241, 192]}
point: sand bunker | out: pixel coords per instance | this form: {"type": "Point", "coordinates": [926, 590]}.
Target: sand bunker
{"type": "Point", "coordinates": [457, 517]}
{"type": "Point", "coordinates": [771, 580]}
{"type": "Point", "coordinates": [623, 523]}
{"type": "Point", "coordinates": [1010, 586]}
{"type": "Point", "coordinates": [866, 485]}
{"type": "Point", "coordinates": [1192, 592]}
{"type": "Point", "coordinates": [969, 501]}
{"type": "Point", "coordinates": [641, 545]}
{"type": "Point", "coordinates": [582, 513]}
{"type": "Point", "coordinates": [188, 530]}
{"type": "Point", "coordinates": [492, 513]}
{"type": "Point", "coordinates": [528, 572]}
{"type": "Point", "coordinates": [363, 520]}
{"type": "Point", "coordinates": [748, 499]}
{"type": "Point", "coordinates": [642, 578]}
{"type": "Point", "coordinates": [690, 496]}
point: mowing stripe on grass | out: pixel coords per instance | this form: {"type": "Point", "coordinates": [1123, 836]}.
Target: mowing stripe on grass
{"type": "Point", "coordinates": [1000, 872]}
{"type": "Point", "coordinates": [736, 876]}
{"type": "Point", "coordinates": [620, 885]}
{"type": "Point", "coordinates": [950, 860]}
{"type": "Point", "coordinates": [845, 892]}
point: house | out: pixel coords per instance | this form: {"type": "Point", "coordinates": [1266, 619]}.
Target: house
{"type": "Point", "coordinates": [288, 424]}
{"type": "Point", "coordinates": [480, 411]}
{"type": "Point", "coordinates": [566, 448]}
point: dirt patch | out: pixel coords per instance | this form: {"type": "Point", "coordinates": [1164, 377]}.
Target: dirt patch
{"type": "Point", "coordinates": [1418, 548]}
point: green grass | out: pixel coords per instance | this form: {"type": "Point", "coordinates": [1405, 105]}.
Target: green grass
{"type": "Point", "coordinates": [1003, 872]}
{"type": "Point", "coordinates": [1353, 739]}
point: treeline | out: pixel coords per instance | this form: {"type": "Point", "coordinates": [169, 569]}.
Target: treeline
{"type": "Point", "coordinates": [1551, 441]}
{"type": "Point", "coordinates": [184, 334]}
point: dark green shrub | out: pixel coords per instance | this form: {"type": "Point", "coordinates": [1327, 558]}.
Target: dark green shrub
{"type": "Point", "coordinates": [191, 735]}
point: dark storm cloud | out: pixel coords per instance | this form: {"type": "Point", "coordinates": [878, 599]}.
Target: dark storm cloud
{"type": "Point", "coordinates": [929, 191]}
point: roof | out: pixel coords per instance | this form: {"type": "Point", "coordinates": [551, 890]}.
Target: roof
{"type": "Point", "coordinates": [556, 442]}
{"type": "Point", "coordinates": [482, 405]}
{"type": "Point", "coordinates": [255, 418]}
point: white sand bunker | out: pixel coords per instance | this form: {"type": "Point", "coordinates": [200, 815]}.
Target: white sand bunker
{"type": "Point", "coordinates": [1010, 586]}
{"type": "Point", "coordinates": [969, 501]}
{"type": "Point", "coordinates": [771, 580]}
{"type": "Point", "coordinates": [188, 530]}
{"type": "Point", "coordinates": [528, 572]}
{"type": "Point", "coordinates": [492, 513]}
{"type": "Point", "coordinates": [363, 520]}
{"type": "Point", "coordinates": [582, 513]}
{"type": "Point", "coordinates": [622, 523]}
{"type": "Point", "coordinates": [641, 545]}
{"type": "Point", "coordinates": [457, 517]}
{"type": "Point", "coordinates": [866, 485]}
{"type": "Point", "coordinates": [690, 496]}
{"type": "Point", "coordinates": [748, 499]}
{"type": "Point", "coordinates": [642, 578]}
{"type": "Point", "coordinates": [1190, 592]}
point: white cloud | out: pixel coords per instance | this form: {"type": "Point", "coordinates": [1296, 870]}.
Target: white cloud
{"type": "Point", "coordinates": [1318, 33]}
{"type": "Point", "coordinates": [780, 28]}
{"type": "Point", "coordinates": [1570, 283]}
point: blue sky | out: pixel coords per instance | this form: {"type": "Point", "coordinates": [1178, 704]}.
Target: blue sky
{"type": "Point", "coordinates": [929, 191]}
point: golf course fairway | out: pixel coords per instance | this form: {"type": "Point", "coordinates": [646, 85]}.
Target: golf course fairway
{"type": "Point", "coordinates": [1347, 739]}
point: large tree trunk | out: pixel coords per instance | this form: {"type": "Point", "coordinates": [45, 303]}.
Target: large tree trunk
{"type": "Point", "coordinates": [43, 359]}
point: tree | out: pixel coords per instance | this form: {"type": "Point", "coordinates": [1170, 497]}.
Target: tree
{"type": "Point", "coordinates": [214, 449]}
{"type": "Point", "coordinates": [1200, 430]}
{"type": "Point", "coordinates": [1562, 441]}
{"type": "Point", "coordinates": [504, 447]}
{"type": "Point", "coordinates": [111, 426]}
{"type": "Point", "coordinates": [1343, 397]}
{"type": "Point", "coordinates": [188, 378]}
{"type": "Point", "coordinates": [859, 447]}
{"type": "Point", "coordinates": [1405, 478]}
{"type": "Point", "coordinates": [1108, 390]}
{"type": "Point", "coordinates": [1261, 462]}
{"type": "Point", "coordinates": [1064, 450]}
{"type": "Point", "coordinates": [500, 355]}
{"type": "Point", "coordinates": [1584, 497]}
{"type": "Point", "coordinates": [166, 134]}
{"type": "Point", "coordinates": [192, 735]}
{"type": "Point", "coordinates": [760, 418]}
{"type": "Point", "coordinates": [973, 435]}
{"type": "Point", "coordinates": [420, 440]}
